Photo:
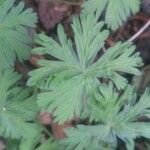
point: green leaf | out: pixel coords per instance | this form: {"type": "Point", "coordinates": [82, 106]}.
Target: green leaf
{"type": "Point", "coordinates": [68, 105]}
{"type": "Point", "coordinates": [117, 11]}
{"type": "Point", "coordinates": [89, 138]}
{"type": "Point", "coordinates": [29, 143]}
{"type": "Point", "coordinates": [67, 82]}
{"type": "Point", "coordinates": [119, 58]}
{"type": "Point", "coordinates": [17, 108]}
{"type": "Point", "coordinates": [15, 42]}
{"type": "Point", "coordinates": [1, 1]}
{"type": "Point", "coordinates": [12, 144]}
{"type": "Point", "coordinates": [116, 116]}
{"type": "Point", "coordinates": [38, 143]}
{"type": "Point", "coordinates": [50, 144]}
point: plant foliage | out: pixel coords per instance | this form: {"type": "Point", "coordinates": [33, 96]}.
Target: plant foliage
{"type": "Point", "coordinates": [36, 143]}
{"type": "Point", "coordinates": [50, 144]}
{"type": "Point", "coordinates": [15, 43]}
{"type": "Point", "coordinates": [116, 11]}
{"type": "Point", "coordinates": [32, 143]}
{"type": "Point", "coordinates": [115, 116]}
{"type": "Point", "coordinates": [69, 82]}
{"type": "Point", "coordinates": [1, 1]}
{"type": "Point", "coordinates": [73, 75]}
{"type": "Point", "coordinates": [17, 108]}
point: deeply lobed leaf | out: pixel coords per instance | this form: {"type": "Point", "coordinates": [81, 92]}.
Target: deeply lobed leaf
{"type": "Point", "coordinates": [117, 11]}
{"type": "Point", "coordinates": [73, 76]}
{"type": "Point", "coordinates": [116, 116]}
{"type": "Point", "coordinates": [15, 42]}
{"type": "Point", "coordinates": [17, 108]}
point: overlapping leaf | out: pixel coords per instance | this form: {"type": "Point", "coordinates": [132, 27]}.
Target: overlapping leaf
{"type": "Point", "coordinates": [116, 117]}
{"type": "Point", "coordinates": [17, 108]}
{"type": "Point", "coordinates": [34, 143]}
{"type": "Point", "coordinates": [117, 11]}
{"type": "Point", "coordinates": [15, 42]}
{"type": "Point", "coordinates": [50, 144]}
{"type": "Point", "coordinates": [74, 74]}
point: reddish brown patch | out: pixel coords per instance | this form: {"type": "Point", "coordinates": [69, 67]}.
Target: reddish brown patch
{"type": "Point", "coordinates": [51, 12]}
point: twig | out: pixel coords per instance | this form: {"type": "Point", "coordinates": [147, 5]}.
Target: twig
{"type": "Point", "coordinates": [139, 32]}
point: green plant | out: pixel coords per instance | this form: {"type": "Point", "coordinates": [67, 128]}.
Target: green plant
{"type": "Point", "coordinates": [32, 144]}
{"type": "Point", "coordinates": [74, 76]}
{"type": "Point", "coordinates": [116, 11]}
{"type": "Point", "coordinates": [49, 144]}
{"type": "Point", "coordinates": [17, 108]}
{"type": "Point", "coordinates": [1, 1]}
{"type": "Point", "coordinates": [15, 43]}
{"type": "Point", "coordinates": [115, 116]}
{"type": "Point", "coordinates": [75, 81]}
